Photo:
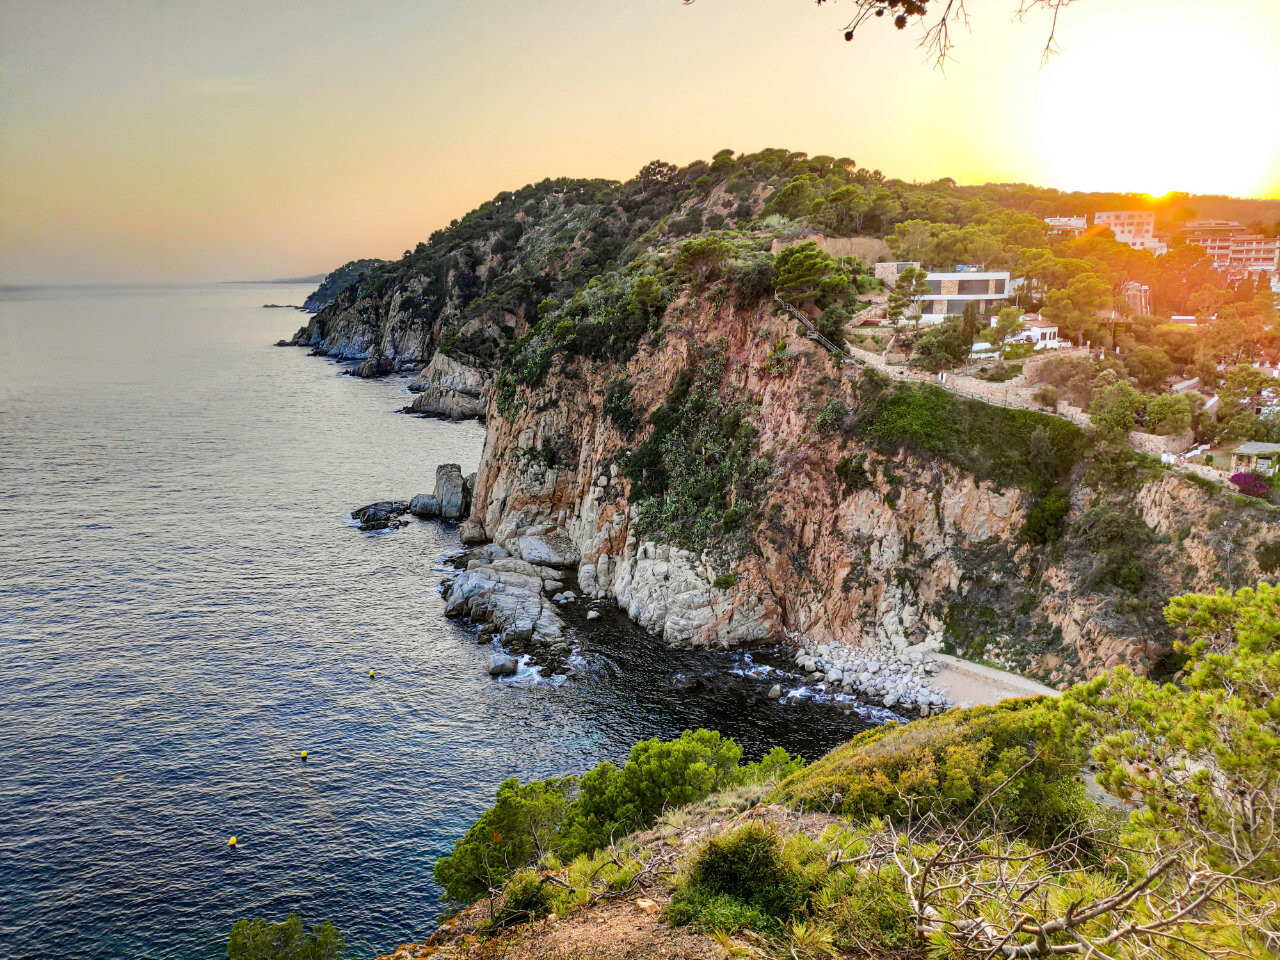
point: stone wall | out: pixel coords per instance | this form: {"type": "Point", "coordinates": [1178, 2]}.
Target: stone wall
{"type": "Point", "coordinates": [1155, 444]}
{"type": "Point", "coordinates": [866, 249]}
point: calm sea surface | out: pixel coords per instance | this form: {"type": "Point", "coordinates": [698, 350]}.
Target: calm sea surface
{"type": "Point", "coordinates": [185, 606]}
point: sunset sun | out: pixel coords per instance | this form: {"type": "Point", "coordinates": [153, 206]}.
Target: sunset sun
{"type": "Point", "coordinates": [1148, 107]}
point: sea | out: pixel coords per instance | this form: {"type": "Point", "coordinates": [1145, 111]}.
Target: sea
{"type": "Point", "coordinates": [186, 606]}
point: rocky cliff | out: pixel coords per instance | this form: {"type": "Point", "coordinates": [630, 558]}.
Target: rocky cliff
{"type": "Point", "coordinates": [849, 535]}
{"type": "Point", "coordinates": [337, 281]}
{"type": "Point", "coordinates": [477, 286]}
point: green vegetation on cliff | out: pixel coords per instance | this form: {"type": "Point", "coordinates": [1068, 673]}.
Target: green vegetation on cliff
{"type": "Point", "coordinates": [338, 281]}
{"type": "Point", "coordinates": [1006, 446]}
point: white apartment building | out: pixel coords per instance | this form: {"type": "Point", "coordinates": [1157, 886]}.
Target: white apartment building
{"type": "Point", "coordinates": [1137, 228]}
{"type": "Point", "coordinates": [1234, 250]}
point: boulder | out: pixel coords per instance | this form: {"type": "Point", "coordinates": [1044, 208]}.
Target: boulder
{"type": "Point", "coordinates": [374, 367]}
{"type": "Point", "coordinates": [424, 506]}
{"type": "Point", "coordinates": [553, 549]}
{"type": "Point", "coordinates": [382, 510]}
{"type": "Point", "coordinates": [775, 692]}
{"type": "Point", "coordinates": [502, 665]}
{"type": "Point", "coordinates": [593, 614]}
{"type": "Point", "coordinates": [451, 492]}
{"type": "Point", "coordinates": [472, 532]}
{"type": "Point", "coordinates": [447, 404]}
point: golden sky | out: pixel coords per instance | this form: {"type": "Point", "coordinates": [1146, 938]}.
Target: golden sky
{"type": "Point", "coordinates": [222, 139]}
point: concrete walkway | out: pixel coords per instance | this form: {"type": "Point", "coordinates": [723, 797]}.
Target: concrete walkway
{"type": "Point", "coordinates": [973, 683]}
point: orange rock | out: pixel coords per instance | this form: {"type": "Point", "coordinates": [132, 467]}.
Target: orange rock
{"type": "Point", "coordinates": [649, 906]}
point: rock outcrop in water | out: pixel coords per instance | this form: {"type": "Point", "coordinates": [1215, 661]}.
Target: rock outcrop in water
{"type": "Point", "coordinates": [511, 597]}
{"type": "Point", "coordinates": [450, 501]}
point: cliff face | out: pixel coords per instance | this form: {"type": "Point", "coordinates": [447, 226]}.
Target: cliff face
{"type": "Point", "coordinates": [915, 549]}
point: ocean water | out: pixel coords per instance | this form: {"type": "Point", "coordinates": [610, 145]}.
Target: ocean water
{"type": "Point", "coordinates": [185, 606]}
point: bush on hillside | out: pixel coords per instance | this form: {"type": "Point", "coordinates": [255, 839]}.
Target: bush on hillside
{"type": "Point", "coordinates": [570, 817]}
{"type": "Point", "coordinates": [992, 443]}
{"type": "Point", "coordinates": [1047, 519]}
{"type": "Point", "coordinates": [745, 878]}
{"type": "Point", "coordinates": [1250, 484]}
{"type": "Point", "coordinates": [694, 476]}
{"type": "Point", "coordinates": [946, 764]}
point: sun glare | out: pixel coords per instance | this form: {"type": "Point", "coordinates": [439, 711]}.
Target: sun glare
{"type": "Point", "coordinates": [1149, 107]}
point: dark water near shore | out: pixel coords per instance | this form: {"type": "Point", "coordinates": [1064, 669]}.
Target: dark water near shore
{"type": "Point", "coordinates": [184, 606]}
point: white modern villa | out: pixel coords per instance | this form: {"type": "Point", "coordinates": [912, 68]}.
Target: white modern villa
{"type": "Point", "coordinates": [950, 292]}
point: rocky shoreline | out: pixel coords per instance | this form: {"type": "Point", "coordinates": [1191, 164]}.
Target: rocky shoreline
{"type": "Point", "coordinates": [895, 676]}
{"type": "Point", "coordinates": [515, 588]}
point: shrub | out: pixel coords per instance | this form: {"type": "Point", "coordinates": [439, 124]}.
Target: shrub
{"type": "Point", "coordinates": [724, 581]}
{"type": "Point", "coordinates": [612, 802]}
{"type": "Point", "coordinates": [700, 260]}
{"type": "Point", "coordinates": [1168, 414]}
{"type": "Point", "coordinates": [992, 443]}
{"type": "Point", "coordinates": [1250, 484]}
{"type": "Point", "coordinates": [947, 764]}
{"type": "Point", "coordinates": [525, 820]}
{"type": "Point", "coordinates": [618, 407]}
{"type": "Point", "coordinates": [711, 912]}
{"type": "Point", "coordinates": [257, 939]}
{"type": "Point", "coordinates": [526, 895]}
{"type": "Point", "coordinates": [697, 464]}
{"type": "Point", "coordinates": [1046, 521]}
{"type": "Point", "coordinates": [570, 816]}
{"type": "Point", "coordinates": [853, 474]}
{"type": "Point", "coordinates": [831, 416]}
{"type": "Point", "coordinates": [869, 910]}
{"type": "Point", "coordinates": [754, 280]}
{"type": "Point", "coordinates": [1047, 396]}
{"type": "Point", "coordinates": [1268, 556]}
{"type": "Point", "coordinates": [1115, 539]}
{"type": "Point", "coordinates": [831, 324]}
{"type": "Point", "coordinates": [750, 865]}
{"type": "Point", "coordinates": [943, 346]}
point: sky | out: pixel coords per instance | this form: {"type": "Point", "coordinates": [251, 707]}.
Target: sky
{"type": "Point", "coordinates": [154, 140]}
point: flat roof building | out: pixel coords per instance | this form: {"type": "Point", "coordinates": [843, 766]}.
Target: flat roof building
{"type": "Point", "coordinates": [1234, 250]}
{"type": "Point", "coordinates": [1137, 228]}
{"type": "Point", "coordinates": [950, 292]}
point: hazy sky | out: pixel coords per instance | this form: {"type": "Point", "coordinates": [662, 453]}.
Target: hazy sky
{"type": "Point", "coordinates": [189, 140]}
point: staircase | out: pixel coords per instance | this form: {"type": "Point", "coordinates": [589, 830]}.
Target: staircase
{"type": "Point", "coordinates": [813, 333]}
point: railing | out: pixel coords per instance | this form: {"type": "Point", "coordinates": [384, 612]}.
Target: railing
{"type": "Point", "coordinates": [813, 333]}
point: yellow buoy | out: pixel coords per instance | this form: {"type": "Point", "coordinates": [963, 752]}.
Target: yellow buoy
{"type": "Point", "coordinates": [370, 672]}
{"type": "Point", "coordinates": [304, 754]}
{"type": "Point", "coordinates": [232, 842]}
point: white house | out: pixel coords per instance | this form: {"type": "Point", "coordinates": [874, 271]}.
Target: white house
{"type": "Point", "coordinates": [1040, 333]}
{"type": "Point", "coordinates": [950, 292]}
